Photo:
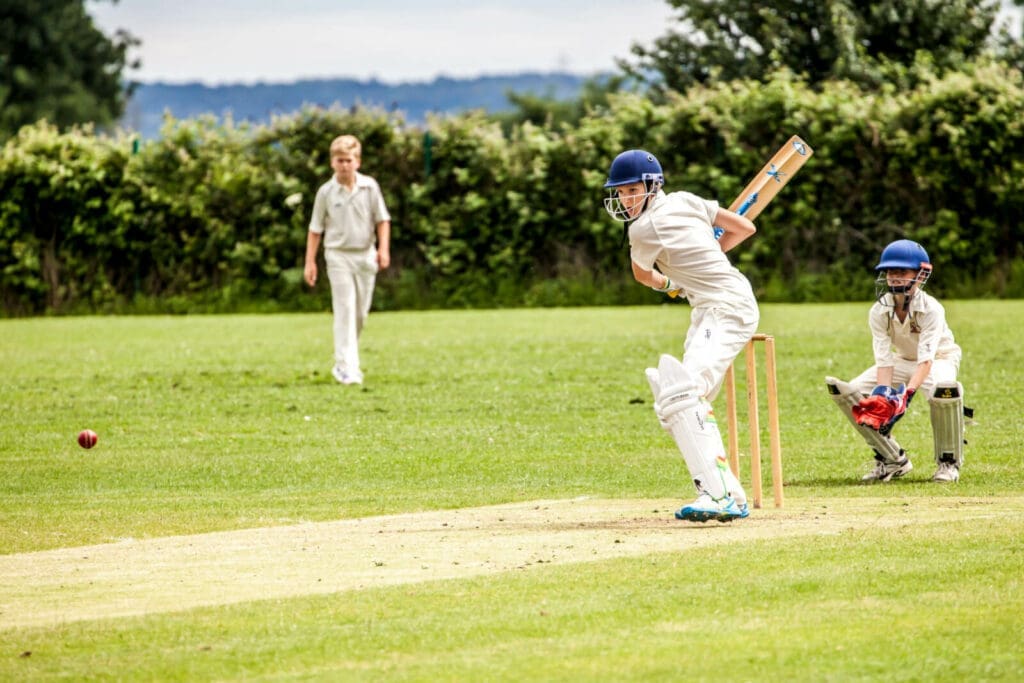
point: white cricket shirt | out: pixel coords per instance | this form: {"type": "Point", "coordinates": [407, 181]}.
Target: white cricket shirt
{"type": "Point", "coordinates": [923, 336]}
{"type": "Point", "coordinates": [348, 220]}
{"type": "Point", "coordinates": [677, 235]}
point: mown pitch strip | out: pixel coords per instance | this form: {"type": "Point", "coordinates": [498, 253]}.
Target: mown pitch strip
{"type": "Point", "coordinates": [135, 577]}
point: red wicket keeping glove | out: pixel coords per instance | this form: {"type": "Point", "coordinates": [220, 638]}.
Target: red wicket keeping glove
{"type": "Point", "coordinates": [877, 410]}
{"type": "Point", "coordinates": [883, 408]}
{"type": "Point", "coordinates": [873, 412]}
{"type": "Point", "coordinates": [901, 401]}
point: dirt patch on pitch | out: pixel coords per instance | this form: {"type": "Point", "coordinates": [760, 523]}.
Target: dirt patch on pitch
{"type": "Point", "coordinates": [183, 572]}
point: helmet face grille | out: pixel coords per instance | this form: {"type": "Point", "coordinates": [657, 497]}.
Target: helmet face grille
{"type": "Point", "coordinates": [638, 203]}
{"type": "Point", "coordinates": [902, 255]}
{"type": "Point", "coordinates": [632, 166]}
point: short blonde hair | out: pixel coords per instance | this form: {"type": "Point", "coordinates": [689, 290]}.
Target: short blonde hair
{"type": "Point", "coordinates": [346, 144]}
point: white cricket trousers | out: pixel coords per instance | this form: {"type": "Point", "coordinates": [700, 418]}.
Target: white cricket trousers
{"type": "Point", "coordinates": [943, 371]}
{"type": "Point", "coordinates": [716, 336]}
{"type": "Point", "coordinates": [352, 275]}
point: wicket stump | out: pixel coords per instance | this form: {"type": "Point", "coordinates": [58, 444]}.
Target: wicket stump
{"type": "Point", "coordinates": [754, 423]}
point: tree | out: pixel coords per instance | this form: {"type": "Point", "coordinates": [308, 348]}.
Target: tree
{"type": "Point", "coordinates": [56, 65]}
{"type": "Point", "coordinates": [1010, 33]}
{"type": "Point", "coordinates": [547, 111]}
{"type": "Point", "coordinates": [867, 42]}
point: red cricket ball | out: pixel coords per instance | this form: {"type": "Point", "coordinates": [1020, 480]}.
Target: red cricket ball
{"type": "Point", "coordinates": [87, 438]}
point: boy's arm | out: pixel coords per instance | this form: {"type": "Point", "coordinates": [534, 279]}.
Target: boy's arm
{"type": "Point", "coordinates": [924, 368]}
{"type": "Point", "coordinates": [652, 278]}
{"type": "Point", "coordinates": [313, 238]}
{"type": "Point", "coordinates": [736, 228]}
{"type": "Point", "coordinates": [312, 245]}
{"type": "Point", "coordinates": [384, 244]}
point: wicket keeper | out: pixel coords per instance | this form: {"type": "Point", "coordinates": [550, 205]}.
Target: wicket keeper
{"type": "Point", "coordinates": [914, 350]}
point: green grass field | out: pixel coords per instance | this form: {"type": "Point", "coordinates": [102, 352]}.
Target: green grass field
{"type": "Point", "coordinates": [226, 423]}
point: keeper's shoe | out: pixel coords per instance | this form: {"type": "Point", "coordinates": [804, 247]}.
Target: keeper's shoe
{"type": "Point", "coordinates": [706, 508]}
{"type": "Point", "coordinates": [947, 472]}
{"type": "Point", "coordinates": [887, 471]}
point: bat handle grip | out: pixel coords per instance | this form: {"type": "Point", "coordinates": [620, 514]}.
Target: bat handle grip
{"type": "Point", "coordinates": [751, 200]}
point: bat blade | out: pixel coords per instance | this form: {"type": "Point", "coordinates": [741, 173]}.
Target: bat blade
{"type": "Point", "coordinates": [772, 178]}
{"type": "Point", "coordinates": [767, 183]}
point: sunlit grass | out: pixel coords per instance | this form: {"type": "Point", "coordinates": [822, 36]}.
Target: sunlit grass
{"type": "Point", "coordinates": [210, 423]}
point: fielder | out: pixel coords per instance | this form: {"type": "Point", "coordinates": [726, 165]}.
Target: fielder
{"type": "Point", "coordinates": [673, 247]}
{"type": "Point", "coordinates": [350, 217]}
{"type": "Point", "coordinates": [914, 350]}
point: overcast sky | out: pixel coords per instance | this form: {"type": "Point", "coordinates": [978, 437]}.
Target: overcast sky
{"type": "Point", "coordinates": [246, 41]}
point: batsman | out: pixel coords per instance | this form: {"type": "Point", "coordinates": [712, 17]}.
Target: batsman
{"type": "Point", "coordinates": [673, 249]}
{"type": "Point", "coordinates": [914, 352]}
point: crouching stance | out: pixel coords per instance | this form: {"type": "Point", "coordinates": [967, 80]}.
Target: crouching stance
{"type": "Point", "coordinates": [914, 352]}
{"type": "Point", "coordinates": [673, 249]}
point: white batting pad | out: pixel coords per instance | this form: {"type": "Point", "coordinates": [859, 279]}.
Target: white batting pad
{"type": "Point", "coordinates": [947, 413]}
{"type": "Point", "coordinates": [732, 484]}
{"type": "Point", "coordinates": [688, 419]}
{"type": "Point", "coordinates": [654, 380]}
{"type": "Point", "coordinates": [845, 398]}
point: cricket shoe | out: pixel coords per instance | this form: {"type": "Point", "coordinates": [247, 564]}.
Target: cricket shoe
{"type": "Point", "coordinates": [344, 377]}
{"type": "Point", "coordinates": [947, 472]}
{"type": "Point", "coordinates": [886, 471]}
{"type": "Point", "coordinates": [706, 508]}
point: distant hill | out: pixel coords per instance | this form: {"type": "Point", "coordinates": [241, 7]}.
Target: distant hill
{"type": "Point", "coordinates": [256, 103]}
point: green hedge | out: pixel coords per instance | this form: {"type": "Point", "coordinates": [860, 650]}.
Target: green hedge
{"type": "Point", "coordinates": [213, 215]}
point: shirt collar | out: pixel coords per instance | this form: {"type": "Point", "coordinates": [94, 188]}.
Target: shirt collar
{"type": "Point", "coordinates": [917, 303]}
{"type": "Point", "coordinates": [361, 181]}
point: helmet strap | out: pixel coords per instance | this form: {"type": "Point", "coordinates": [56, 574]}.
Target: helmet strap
{"type": "Point", "coordinates": [907, 296]}
{"type": "Point", "coordinates": [652, 187]}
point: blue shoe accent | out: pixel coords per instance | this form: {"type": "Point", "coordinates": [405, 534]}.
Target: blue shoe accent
{"type": "Point", "coordinates": [732, 511]}
{"type": "Point", "coordinates": [705, 508]}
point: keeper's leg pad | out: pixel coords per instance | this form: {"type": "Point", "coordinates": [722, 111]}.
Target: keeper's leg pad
{"type": "Point", "coordinates": [688, 418]}
{"type": "Point", "coordinates": [845, 398]}
{"type": "Point", "coordinates": [947, 413]}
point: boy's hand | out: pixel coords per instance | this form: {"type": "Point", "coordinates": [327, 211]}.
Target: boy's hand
{"type": "Point", "coordinates": [309, 273]}
{"type": "Point", "coordinates": [383, 258]}
{"type": "Point", "coordinates": [883, 408]}
{"type": "Point", "coordinates": [901, 400]}
{"type": "Point", "coordinates": [876, 410]}
{"type": "Point", "coordinates": [873, 412]}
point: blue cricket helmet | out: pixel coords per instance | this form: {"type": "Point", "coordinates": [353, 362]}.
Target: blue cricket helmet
{"type": "Point", "coordinates": [904, 254]}
{"type": "Point", "coordinates": [635, 166]}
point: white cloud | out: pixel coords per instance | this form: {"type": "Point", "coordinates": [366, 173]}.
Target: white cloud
{"type": "Point", "coordinates": [232, 41]}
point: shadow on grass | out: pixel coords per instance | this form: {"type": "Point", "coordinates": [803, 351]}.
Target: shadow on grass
{"type": "Point", "coordinates": [853, 481]}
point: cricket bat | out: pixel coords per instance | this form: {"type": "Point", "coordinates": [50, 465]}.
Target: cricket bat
{"type": "Point", "coordinates": [769, 180]}
{"type": "Point", "coordinates": [772, 178]}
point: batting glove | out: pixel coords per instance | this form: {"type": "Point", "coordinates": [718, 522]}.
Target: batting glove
{"type": "Point", "coordinates": [669, 287]}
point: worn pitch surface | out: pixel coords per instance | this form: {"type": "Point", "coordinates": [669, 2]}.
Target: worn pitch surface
{"type": "Point", "coordinates": [135, 577]}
